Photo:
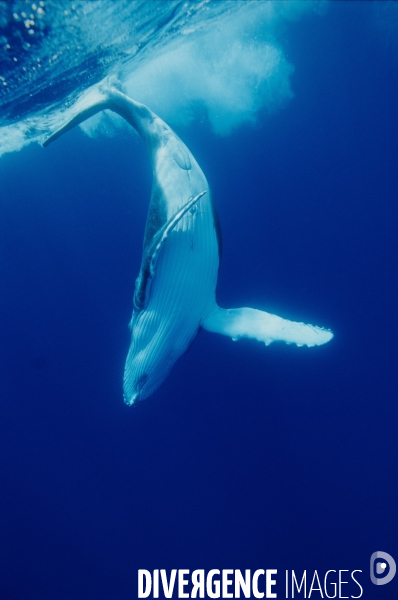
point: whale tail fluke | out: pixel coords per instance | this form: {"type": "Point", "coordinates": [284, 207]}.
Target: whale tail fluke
{"type": "Point", "coordinates": [264, 327]}
{"type": "Point", "coordinates": [97, 98]}
{"type": "Point", "coordinates": [90, 104]}
{"type": "Point", "coordinates": [109, 95]}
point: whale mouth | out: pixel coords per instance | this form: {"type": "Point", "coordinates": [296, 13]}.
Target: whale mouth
{"type": "Point", "coordinates": [131, 399]}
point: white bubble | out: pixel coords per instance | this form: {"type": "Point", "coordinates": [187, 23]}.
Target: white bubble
{"type": "Point", "coordinates": [229, 74]}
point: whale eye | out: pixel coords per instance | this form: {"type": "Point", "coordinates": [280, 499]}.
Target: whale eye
{"type": "Point", "coordinates": [141, 381]}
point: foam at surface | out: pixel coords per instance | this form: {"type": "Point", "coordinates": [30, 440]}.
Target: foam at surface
{"type": "Point", "coordinates": [226, 72]}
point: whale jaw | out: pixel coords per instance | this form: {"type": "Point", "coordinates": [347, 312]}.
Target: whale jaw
{"type": "Point", "coordinates": [131, 400]}
{"type": "Point", "coordinates": [158, 338]}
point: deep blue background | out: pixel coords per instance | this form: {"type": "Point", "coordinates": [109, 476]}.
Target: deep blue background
{"type": "Point", "coordinates": [246, 457]}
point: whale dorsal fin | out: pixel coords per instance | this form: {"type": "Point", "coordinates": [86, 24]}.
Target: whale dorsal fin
{"type": "Point", "coordinates": [152, 252]}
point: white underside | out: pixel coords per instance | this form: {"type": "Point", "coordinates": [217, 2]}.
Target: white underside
{"type": "Point", "coordinates": [181, 294]}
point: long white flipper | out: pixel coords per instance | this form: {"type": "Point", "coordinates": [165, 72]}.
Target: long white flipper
{"type": "Point", "coordinates": [264, 327]}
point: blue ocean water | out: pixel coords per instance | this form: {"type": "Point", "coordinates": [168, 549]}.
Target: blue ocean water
{"type": "Point", "coordinates": [247, 457]}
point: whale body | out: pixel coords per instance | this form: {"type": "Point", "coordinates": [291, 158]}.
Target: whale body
{"type": "Point", "coordinates": [175, 292]}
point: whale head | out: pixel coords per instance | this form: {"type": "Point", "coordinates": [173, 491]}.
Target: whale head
{"type": "Point", "coordinates": [156, 344]}
{"type": "Point", "coordinates": [146, 364]}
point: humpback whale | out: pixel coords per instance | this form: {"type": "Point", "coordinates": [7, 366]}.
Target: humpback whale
{"type": "Point", "coordinates": [175, 292]}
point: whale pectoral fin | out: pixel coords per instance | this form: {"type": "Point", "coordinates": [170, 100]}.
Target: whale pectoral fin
{"type": "Point", "coordinates": [147, 272]}
{"type": "Point", "coordinates": [162, 234]}
{"type": "Point", "coordinates": [264, 327]}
